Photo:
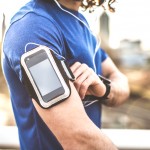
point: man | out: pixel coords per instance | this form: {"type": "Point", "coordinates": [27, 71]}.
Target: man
{"type": "Point", "coordinates": [70, 125]}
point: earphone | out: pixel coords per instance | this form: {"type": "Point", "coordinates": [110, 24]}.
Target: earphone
{"type": "Point", "coordinates": [71, 14]}
{"type": "Point", "coordinates": [97, 41]}
{"type": "Point", "coordinates": [32, 43]}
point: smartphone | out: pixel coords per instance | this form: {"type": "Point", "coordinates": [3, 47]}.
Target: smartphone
{"type": "Point", "coordinates": [45, 76]}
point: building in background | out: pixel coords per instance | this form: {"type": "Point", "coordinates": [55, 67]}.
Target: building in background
{"type": "Point", "coordinates": [104, 28]}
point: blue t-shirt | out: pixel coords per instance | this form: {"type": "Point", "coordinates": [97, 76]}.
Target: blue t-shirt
{"type": "Point", "coordinates": [43, 22]}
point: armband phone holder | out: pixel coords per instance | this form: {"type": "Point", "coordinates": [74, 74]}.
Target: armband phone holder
{"type": "Point", "coordinates": [45, 77]}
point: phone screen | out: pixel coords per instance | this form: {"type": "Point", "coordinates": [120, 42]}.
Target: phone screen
{"type": "Point", "coordinates": [45, 76]}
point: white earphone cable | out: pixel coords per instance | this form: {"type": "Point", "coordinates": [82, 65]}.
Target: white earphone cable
{"type": "Point", "coordinates": [36, 44]}
{"type": "Point", "coordinates": [72, 15]}
{"type": "Point", "coordinates": [98, 42]}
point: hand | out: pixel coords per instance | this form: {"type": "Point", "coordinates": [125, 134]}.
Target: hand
{"type": "Point", "coordinates": [87, 82]}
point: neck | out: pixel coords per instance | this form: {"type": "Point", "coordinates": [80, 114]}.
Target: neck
{"type": "Point", "coordinates": [70, 4]}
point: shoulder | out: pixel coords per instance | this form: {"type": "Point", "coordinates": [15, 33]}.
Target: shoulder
{"type": "Point", "coordinates": [34, 28]}
{"type": "Point", "coordinates": [29, 19]}
{"type": "Point", "coordinates": [34, 20]}
{"type": "Point", "coordinates": [31, 28]}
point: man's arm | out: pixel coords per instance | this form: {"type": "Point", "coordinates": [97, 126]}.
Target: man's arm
{"type": "Point", "coordinates": [88, 83]}
{"type": "Point", "coordinates": [72, 127]}
{"type": "Point", "coordinates": [119, 83]}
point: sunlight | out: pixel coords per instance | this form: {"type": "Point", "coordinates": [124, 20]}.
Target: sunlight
{"type": "Point", "coordinates": [9, 7]}
{"type": "Point", "coordinates": [131, 22]}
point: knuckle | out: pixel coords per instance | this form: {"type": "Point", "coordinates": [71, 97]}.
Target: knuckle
{"type": "Point", "coordinates": [84, 86]}
{"type": "Point", "coordinates": [77, 83]}
{"type": "Point", "coordinates": [85, 65]}
{"type": "Point", "coordinates": [90, 70]}
{"type": "Point", "coordinates": [78, 63]}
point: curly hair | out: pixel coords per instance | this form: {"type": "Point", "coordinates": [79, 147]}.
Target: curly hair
{"type": "Point", "coordinates": [90, 4]}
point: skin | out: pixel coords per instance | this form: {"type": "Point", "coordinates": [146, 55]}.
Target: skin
{"type": "Point", "coordinates": [72, 127]}
{"type": "Point", "coordinates": [88, 83]}
{"type": "Point", "coordinates": [68, 120]}
{"type": "Point", "coordinates": [71, 4]}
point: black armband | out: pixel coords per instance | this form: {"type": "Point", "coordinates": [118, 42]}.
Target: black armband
{"type": "Point", "coordinates": [108, 87]}
{"type": "Point", "coordinates": [45, 77]}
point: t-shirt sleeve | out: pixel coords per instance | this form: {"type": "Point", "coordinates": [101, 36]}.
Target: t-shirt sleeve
{"type": "Point", "coordinates": [104, 55]}
{"type": "Point", "coordinates": [29, 32]}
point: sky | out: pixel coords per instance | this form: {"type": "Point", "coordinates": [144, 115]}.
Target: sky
{"type": "Point", "coordinates": [130, 21]}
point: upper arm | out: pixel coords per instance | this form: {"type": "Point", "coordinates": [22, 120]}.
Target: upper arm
{"type": "Point", "coordinates": [65, 119]}
{"type": "Point", "coordinates": [71, 125]}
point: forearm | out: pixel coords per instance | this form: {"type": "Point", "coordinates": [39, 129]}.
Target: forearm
{"type": "Point", "coordinates": [119, 83]}
{"type": "Point", "coordinates": [72, 127]}
{"type": "Point", "coordinates": [119, 89]}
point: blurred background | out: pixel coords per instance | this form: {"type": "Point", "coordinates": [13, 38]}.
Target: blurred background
{"type": "Point", "coordinates": [125, 36]}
